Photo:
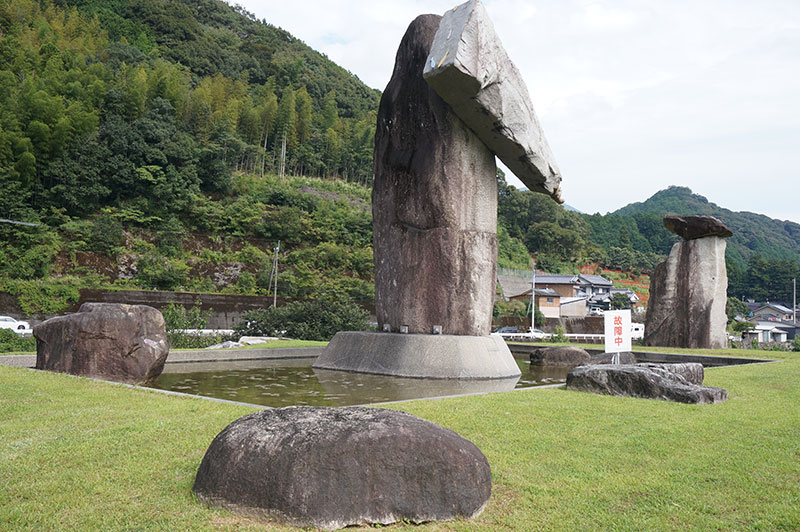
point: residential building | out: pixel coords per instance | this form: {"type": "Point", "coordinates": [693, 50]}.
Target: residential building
{"type": "Point", "coordinates": [773, 312]}
{"type": "Point", "coordinates": [547, 299]}
{"type": "Point", "coordinates": [561, 295]}
{"type": "Point", "coordinates": [573, 307]}
{"type": "Point", "coordinates": [769, 331]}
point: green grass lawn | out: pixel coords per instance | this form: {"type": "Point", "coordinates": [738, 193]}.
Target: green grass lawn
{"type": "Point", "coordinates": [76, 454]}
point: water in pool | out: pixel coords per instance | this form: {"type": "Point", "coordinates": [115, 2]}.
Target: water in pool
{"type": "Point", "coordinates": [279, 383]}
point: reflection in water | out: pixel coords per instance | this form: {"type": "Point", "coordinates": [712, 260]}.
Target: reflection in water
{"type": "Point", "coordinates": [279, 383]}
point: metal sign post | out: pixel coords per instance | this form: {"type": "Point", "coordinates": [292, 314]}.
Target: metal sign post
{"type": "Point", "coordinates": [617, 332]}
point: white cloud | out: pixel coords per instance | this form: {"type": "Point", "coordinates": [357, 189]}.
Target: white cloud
{"type": "Point", "coordinates": [634, 95]}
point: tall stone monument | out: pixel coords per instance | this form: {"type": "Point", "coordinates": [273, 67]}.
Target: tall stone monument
{"type": "Point", "coordinates": [455, 101]}
{"type": "Point", "coordinates": [688, 291]}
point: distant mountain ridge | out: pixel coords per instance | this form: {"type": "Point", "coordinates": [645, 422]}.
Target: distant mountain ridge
{"type": "Point", "coordinates": [752, 233]}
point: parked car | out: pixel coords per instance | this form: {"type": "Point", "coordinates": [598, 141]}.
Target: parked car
{"type": "Point", "coordinates": [507, 329]}
{"type": "Point", "coordinates": [538, 334]}
{"type": "Point", "coordinates": [7, 322]}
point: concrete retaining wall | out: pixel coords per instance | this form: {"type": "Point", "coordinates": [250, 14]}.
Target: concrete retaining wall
{"type": "Point", "coordinates": [226, 309]}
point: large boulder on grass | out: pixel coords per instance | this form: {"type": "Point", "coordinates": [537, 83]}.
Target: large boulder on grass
{"type": "Point", "coordinates": [335, 467]}
{"type": "Point", "coordinates": [647, 381]}
{"type": "Point", "coordinates": [564, 355]}
{"type": "Point", "coordinates": [123, 343]}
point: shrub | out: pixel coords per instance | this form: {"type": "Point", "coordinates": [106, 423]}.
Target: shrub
{"type": "Point", "coordinates": [178, 319]}
{"type": "Point", "coordinates": [159, 273]}
{"type": "Point", "coordinates": [319, 319]}
{"type": "Point", "coordinates": [43, 296]}
{"type": "Point", "coordinates": [11, 342]}
{"type": "Point", "coordinates": [796, 343]}
{"type": "Point", "coordinates": [558, 336]}
{"type": "Point", "coordinates": [106, 235]}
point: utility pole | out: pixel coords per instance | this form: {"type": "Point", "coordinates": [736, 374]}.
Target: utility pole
{"type": "Point", "coordinates": [283, 155]}
{"type": "Point", "coordinates": [273, 276]}
{"type": "Point", "coordinates": [794, 300]}
{"type": "Point", "coordinates": [275, 291]}
{"type": "Point", "coordinates": [533, 297]}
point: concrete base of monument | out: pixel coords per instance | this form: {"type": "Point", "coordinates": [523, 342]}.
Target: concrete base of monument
{"type": "Point", "coordinates": [429, 356]}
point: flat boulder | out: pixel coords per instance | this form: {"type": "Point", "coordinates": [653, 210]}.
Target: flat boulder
{"type": "Point", "coordinates": [565, 355]}
{"type": "Point", "coordinates": [647, 381]}
{"type": "Point", "coordinates": [692, 227]}
{"type": "Point", "coordinates": [331, 468]}
{"type": "Point", "coordinates": [123, 343]}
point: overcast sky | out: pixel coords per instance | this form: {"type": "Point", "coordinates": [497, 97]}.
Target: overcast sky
{"type": "Point", "coordinates": [633, 95]}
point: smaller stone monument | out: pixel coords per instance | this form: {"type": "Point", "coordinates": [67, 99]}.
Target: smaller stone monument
{"type": "Point", "coordinates": [122, 343]}
{"type": "Point", "coordinates": [688, 291]}
{"type": "Point", "coordinates": [331, 468]}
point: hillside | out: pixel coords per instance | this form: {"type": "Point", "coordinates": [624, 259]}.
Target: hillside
{"type": "Point", "coordinates": [752, 233]}
{"type": "Point", "coordinates": [145, 138]}
{"type": "Point", "coordinates": [147, 104]}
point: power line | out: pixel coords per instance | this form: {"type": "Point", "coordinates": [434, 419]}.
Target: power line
{"type": "Point", "coordinates": [3, 220]}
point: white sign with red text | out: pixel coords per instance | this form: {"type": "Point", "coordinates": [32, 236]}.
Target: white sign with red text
{"type": "Point", "coordinates": [618, 330]}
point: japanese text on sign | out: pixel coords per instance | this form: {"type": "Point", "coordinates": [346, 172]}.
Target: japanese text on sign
{"type": "Point", "coordinates": [617, 330]}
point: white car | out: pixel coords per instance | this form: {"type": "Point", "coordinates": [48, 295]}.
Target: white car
{"type": "Point", "coordinates": [19, 327]}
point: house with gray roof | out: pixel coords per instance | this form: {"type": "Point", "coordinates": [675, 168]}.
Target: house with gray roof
{"type": "Point", "coordinates": [772, 311]}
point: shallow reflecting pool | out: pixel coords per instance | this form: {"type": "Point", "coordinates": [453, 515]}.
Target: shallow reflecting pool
{"type": "Point", "coordinates": [294, 382]}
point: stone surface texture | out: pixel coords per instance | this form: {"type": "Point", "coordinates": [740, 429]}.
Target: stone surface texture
{"type": "Point", "coordinates": [692, 227]}
{"type": "Point", "coordinates": [688, 293]}
{"type": "Point", "coordinates": [434, 205]}
{"type": "Point", "coordinates": [123, 343]}
{"type": "Point", "coordinates": [646, 381]}
{"type": "Point", "coordinates": [335, 467]}
{"type": "Point", "coordinates": [566, 355]}
{"type": "Point", "coordinates": [421, 355]}
{"type": "Point", "coordinates": [469, 68]}
{"type": "Point", "coordinates": [693, 372]}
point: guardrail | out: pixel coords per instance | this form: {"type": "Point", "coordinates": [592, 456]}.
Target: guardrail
{"type": "Point", "coordinates": [524, 336]}
{"type": "Point", "coordinates": [586, 338]}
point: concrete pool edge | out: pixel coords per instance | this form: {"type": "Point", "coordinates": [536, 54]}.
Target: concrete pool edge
{"type": "Point", "coordinates": [199, 355]}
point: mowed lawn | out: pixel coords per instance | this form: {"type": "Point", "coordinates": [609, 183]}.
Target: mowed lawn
{"type": "Point", "coordinates": [76, 454]}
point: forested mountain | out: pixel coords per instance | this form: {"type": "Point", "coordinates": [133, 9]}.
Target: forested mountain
{"type": "Point", "coordinates": [763, 255]}
{"type": "Point", "coordinates": [753, 234]}
{"type": "Point", "coordinates": [146, 137]}
{"type": "Point", "coordinates": [144, 104]}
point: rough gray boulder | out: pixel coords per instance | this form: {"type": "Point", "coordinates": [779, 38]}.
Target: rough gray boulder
{"type": "Point", "coordinates": [647, 381]}
{"type": "Point", "coordinates": [565, 355]}
{"type": "Point", "coordinates": [625, 357]}
{"type": "Point", "coordinates": [688, 293]}
{"type": "Point", "coordinates": [335, 467]}
{"type": "Point", "coordinates": [434, 205]}
{"type": "Point", "coordinates": [123, 343]}
{"type": "Point", "coordinates": [469, 68]}
{"type": "Point", "coordinates": [692, 227]}
{"type": "Point", "coordinates": [693, 372]}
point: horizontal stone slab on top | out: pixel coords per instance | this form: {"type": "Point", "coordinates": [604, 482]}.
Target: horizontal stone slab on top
{"type": "Point", "coordinates": [693, 227]}
{"type": "Point", "coordinates": [471, 71]}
